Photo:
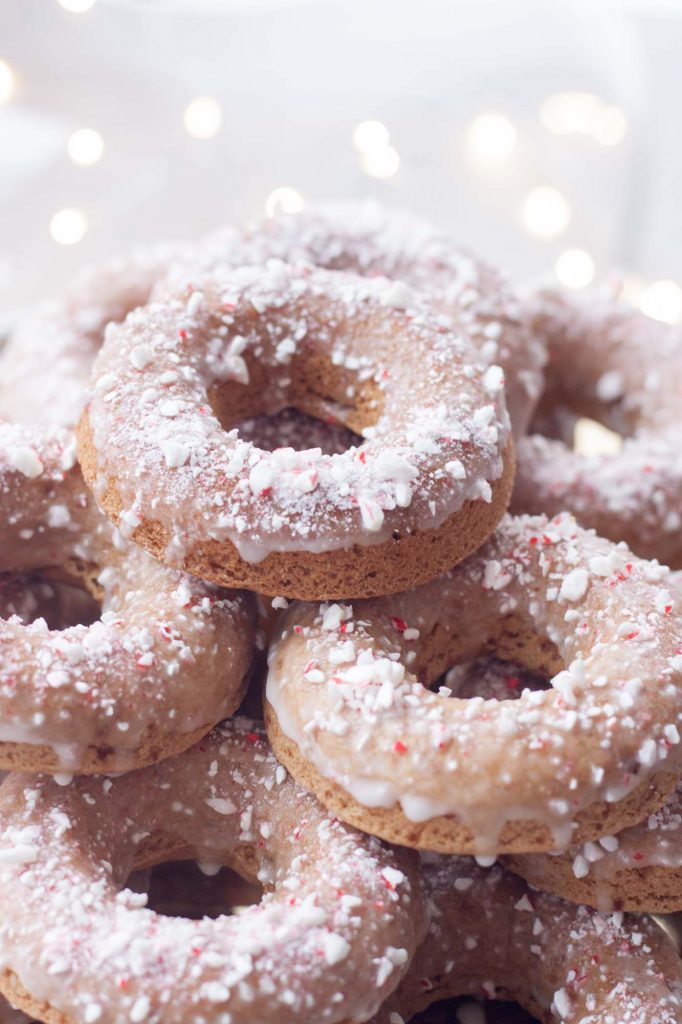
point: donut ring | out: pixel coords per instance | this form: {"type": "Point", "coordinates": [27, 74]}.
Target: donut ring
{"type": "Point", "coordinates": [425, 488]}
{"type": "Point", "coordinates": [66, 333]}
{"type": "Point", "coordinates": [620, 367]}
{"type": "Point", "coordinates": [491, 934]}
{"type": "Point", "coordinates": [638, 869]}
{"type": "Point", "coordinates": [346, 714]}
{"type": "Point", "coordinates": [329, 942]}
{"type": "Point", "coordinates": [166, 661]}
{"type": "Point", "coordinates": [367, 239]}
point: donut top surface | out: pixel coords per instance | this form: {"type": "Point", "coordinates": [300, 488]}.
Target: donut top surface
{"type": "Point", "coordinates": [609, 361]}
{"type": "Point", "coordinates": [347, 683]}
{"type": "Point", "coordinates": [333, 934]}
{"type": "Point", "coordinates": [365, 352]}
{"type": "Point", "coordinates": [369, 239]}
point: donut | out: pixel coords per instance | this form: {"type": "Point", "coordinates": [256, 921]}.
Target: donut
{"type": "Point", "coordinates": [166, 659]}
{"type": "Point", "coordinates": [637, 869]}
{"type": "Point", "coordinates": [618, 366]}
{"type": "Point", "coordinates": [331, 938]}
{"type": "Point", "coordinates": [423, 489]}
{"type": "Point", "coordinates": [350, 714]}
{"type": "Point", "coordinates": [55, 344]}
{"type": "Point", "coordinates": [365, 238]}
{"type": "Point", "coordinates": [491, 934]}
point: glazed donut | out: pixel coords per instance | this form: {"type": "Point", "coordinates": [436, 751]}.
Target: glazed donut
{"type": "Point", "coordinates": [330, 940]}
{"type": "Point", "coordinates": [56, 343]}
{"type": "Point", "coordinates": [368, 239]}
{"type": "Point", "coordinates": [166, 661]}
{"type": "Point", "coordinates": [595, 752]}
{"type": "Point", "coordinates": [423, 490]}
{"type": "Point", "coordinates": [638, 869]}
{"type": "Point", "coordinates": [491, 934]}
{"type": "Point", "coordinates": [620, 367]}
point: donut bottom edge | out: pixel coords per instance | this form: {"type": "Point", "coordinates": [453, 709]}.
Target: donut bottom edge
{"type": "Point", "coordinates": [155, 747]}
{"type": "Point", "coordinates": [446, 834]}
{"type": "Point", "coordinates": [654, 889]}
{"type": "Point", "coordinates": [354, 572]}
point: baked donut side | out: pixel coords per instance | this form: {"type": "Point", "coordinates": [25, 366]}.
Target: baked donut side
{"type": "Point", "coordinates": [349, 712]}
{"type": "Point", "coordinates": [619, 367]}
{"type": "Point", "coordinates": [423, 489]}
{"type": "Point", "coordinates": [333, 935]}
{"type": "Point", "coordinates": [637, 869]}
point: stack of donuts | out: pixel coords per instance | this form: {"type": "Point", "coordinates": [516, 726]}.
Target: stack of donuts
{"type": "Point", "coordinates": [302, 576]}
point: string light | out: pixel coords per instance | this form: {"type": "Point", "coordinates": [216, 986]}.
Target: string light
{"type": "Point", "coordinates": [380, 163]}
{"type": "Point", "coordinates": [574, 268]}
{"type": "Point", "coordinates": [202, 117]}
{"type": "Point", "coordinates": [68, 226]}
{"type": "Point", "coordinates": [284, 199]}
{"type": "Point", "coordinates": [6, 81]}
{"type": "Point", "coordinates": [85, 147]}
{"type": "Point", "coordinates": [662, 300]}
{"type": "Point", "coordinates": [583, 113]}
{"type": "Point", "coordinates": [76, 6]}
{"type": "Point", "coordinates": [371, 135]}
{"type": "Point", "coordinates": [491, 138]}
{"type": "Point", "coordinates": [592, 438]}
{"type": "Point", "coordinates": [545, 212]}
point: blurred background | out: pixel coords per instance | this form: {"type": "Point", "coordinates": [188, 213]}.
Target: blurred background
{"type": "Point", "coordinates": [543, 133]}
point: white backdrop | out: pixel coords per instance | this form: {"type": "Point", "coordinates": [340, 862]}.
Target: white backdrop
{"type": "Point", "coordinates": [290, 81]}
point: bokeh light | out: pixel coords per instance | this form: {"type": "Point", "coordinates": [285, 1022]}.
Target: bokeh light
{"type": "Point", "coordinates": [6, 82]}
{"type": "Point", "coordinates": [202, 117]}
{"type": "Point", "coordinates": [85, 147]}
{"type": "Point", "coordinates": [662, 300]}
{"type": "Point", "coordinates": [284, 199]}
{"type": "Point", "coordinates": [491, 138]}
{"type": "Point", "coordinates": [371, 135]}
{"type": "Point", "coordinates": [545, 212]}
{"type": "Point", "coordinates": [76, 6]}
{"type": "Point", "coordinates": [574, 268]}
{"type": "Point", "coordinates": [583, 113]}
{"type": "Point", "coordinates": [68, 226]}
{"type": "Point", "coordinates": [380, 163]}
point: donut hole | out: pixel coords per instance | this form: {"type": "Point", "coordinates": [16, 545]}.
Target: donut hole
{"type": "Point", "coordinates": [183, 889]}
{"type": "Point", "coordinates": [467, 1010]}
{"type": "Point", "coordinates": [590, 437]}
{"type": "Point", "coordinates": [31, 596]}
{"type": "Point", "coordinates": [585, 435]}
{"type": "Point", "coordinates": [311, 385]}
{"type": "Point", "coordinates": [490, 678]}
{"type": "Point", "coordinates": [291, 428]}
